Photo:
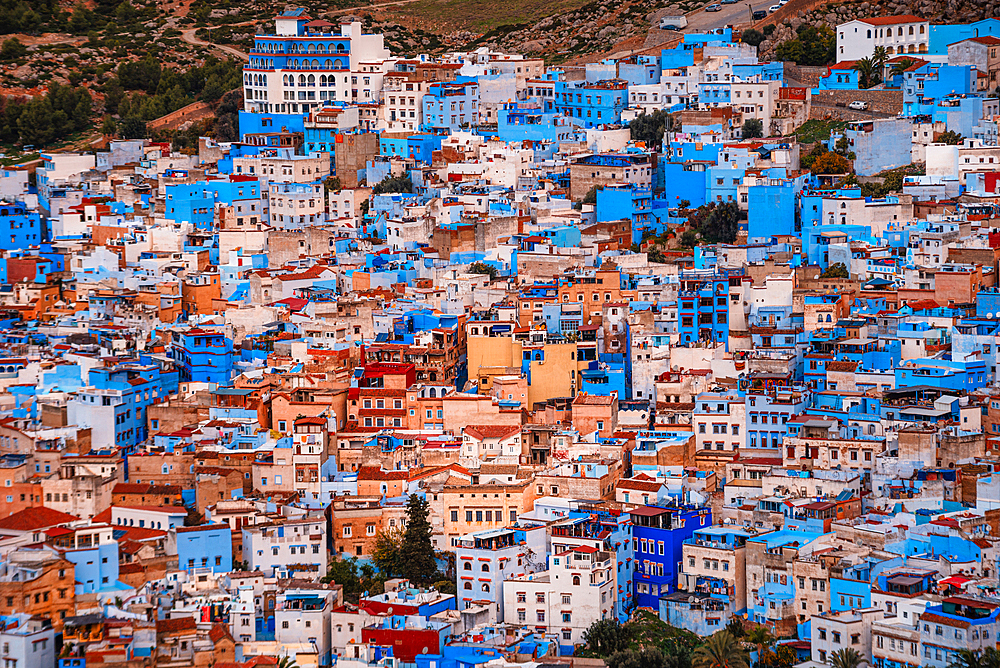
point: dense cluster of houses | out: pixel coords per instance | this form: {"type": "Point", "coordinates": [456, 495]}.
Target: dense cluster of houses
{"type": "Point", "coordinates": [223, 371]}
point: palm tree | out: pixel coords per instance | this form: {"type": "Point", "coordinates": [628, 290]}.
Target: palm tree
{"type": "Point", "coordinates": [880, 56]}
{"type": "Point", "coordinates": [865, 68]}
{"type": "Point", "coordinates": [760, 636]}
{"type": "Point", "coordinates": [968, 658]}
{"type": "Point", "coordinates": [846, 658]}
{"type": "Point", "coordinates": [721, 650]}
{"type": "Point", "coordinates": [287, 662]}
{"type": "Point", "coordinates": [900, 66]}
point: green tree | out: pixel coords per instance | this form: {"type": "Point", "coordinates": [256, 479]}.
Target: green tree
{"type": "Point", "coordinates": [134, 127]}
{"type": "Point", "coordinates": [108, 127]}
{"type": "Point", "coordinates": [879, 58]}
{"type": "Point", "coordinates": [689, 239]}
{"type": "Point", "coordinates": [606, 636]}
{"type": "Point", "coordinates": [287, 662]}
{"type": "Point", "coordinates": [12, 49]}
{"type": "Point", "coordinates": [416, 553]}
{"type": "Point", "coordinates": [393, 184]}
{"type": "Point", "coordinates": [753, 128]}
{"type": "Point", "coordinates": [722, 224]}
{"type": "Point", "coordinates": [967, 658]}
{"type": "Point", "coordinates": [333, 184]}
{"type": "Point", "coordinates": [735, 627]}
{"type": "Point", "coordinates": [483, 268]}
{"type": "Point", "coordinates": [831, 163]}
{"type": "Point", "coordinates": [386, 553]}
{"type": "Point", "coordinates": [780, 656]}
{"type": "Point", "coordinates": [753, 37]}
{"type": "Point", "coordinates": [760, 636]}
{"type": "Point", "coordinates": [345, 573]}
{"type": "Point", "coordinates": [867, 72]}
{"type": "Point", "coordinates": [647, 657]}
{"type": "Point", "coordinates": [836, 270]}
{"type": "Point", "coordinates": [213, 89]}
{"type": "Point", "coordinates": [591, 196]}
{"type": "Point", "coordinates": [721, 650]}
{"type": "Point", "coordinates": [650, 128]}
{"type": "Point", "coordinates": [846, 658]}
{"type": "Point", "coordinates": [811, 46]}
{"type": "Point", "coordinates": [900, 66]}
{"type": "Point", "coordinates": [950, 137]}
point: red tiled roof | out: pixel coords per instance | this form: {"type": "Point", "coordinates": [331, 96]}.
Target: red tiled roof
{"type": "Point", "coordinates": [39, 517]}
{"type": "Point", "coordinates": [640, 485]}
{"type": "Point", "coordinates": [219, 632]}
{"type": "Point", "coordinates": [892, 20]}
{"type": "Point", "coordinates": [176, 625]}
{"type": "Point", "coordinates": [372, 473]}
{"type": "Point", "coordinates": [484, 431]}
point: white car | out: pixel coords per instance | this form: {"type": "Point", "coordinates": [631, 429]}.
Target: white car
{"type": "Point", "coordinates": [858, 104]}
{"type": "Point", "coordinates": [773, 8]}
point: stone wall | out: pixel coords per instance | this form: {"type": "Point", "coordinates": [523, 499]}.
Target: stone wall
{"type": "Point", "coordinates": [193, 112]}
{"type": "Point", "coordinates": [881, 104]}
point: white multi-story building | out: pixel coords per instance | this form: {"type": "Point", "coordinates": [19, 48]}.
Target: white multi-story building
{"type": "Point", "coordinates": [834, 631]}
{"type": "Point", "coordinates": [578, 589]}
{"type": "Point", "coordinates": [242, 615]}
{"type": "Point", "coordinates": [294, 205]}
{"type": "Point", "coordinates": [306, 63]}
{"type": "Point", "coordinates": [898, 34]}
{"type": "Point", "coordinates": [293, 547]}
{"type": "Point", "coordinates": [487, 558]}
{"type": "Point", "coordinates": [27, 641]}
{"type": "Point", "coordinates": [302, 616]}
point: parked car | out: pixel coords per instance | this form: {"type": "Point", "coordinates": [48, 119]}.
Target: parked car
{"type": "Point", "coordinates": [669, 27]}
{"type": "Point", "coordinates": [773, 8]}
{"type": "Point", "coordinates": [858, 104]}
{"type": "Point", "coordinates": [728, 2]}
{"type": "Point", "coordinates": [714, 8]}
{"type": "Point", "coordinates": [759, 15]}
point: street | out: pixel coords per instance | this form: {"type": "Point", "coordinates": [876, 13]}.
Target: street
{"type": "Point", "coordinates": [739, 13]}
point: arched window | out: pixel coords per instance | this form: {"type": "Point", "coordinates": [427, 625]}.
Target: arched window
{"type": "Point", "coordinates": [322, 80]}
{"type": "Point", "coordinates": [315, 64]}
{"type": "Point", "coordinates": [467, 566]}
{"type": "Point", "coordinates": [467, 586]}
{"type": "Point", "coordinates": [432, 393]}
{"type": "Point", "coordinates": [311, 49]}
{"type": "Point", "coordinates": [871, 430]}
{"type": "Point", "coordinates": [828, 319]}
{"type": "Point", "coordinates": [869, 34]}
{"type": "Point", "coordinates": [312, 79]}
{"type": "Point", "coordinates": [486, 588]}
{"type": "Point", "coordinates": [328, 65]}
{"type": "Point", "coordinates": [486, 568]}
{"type": "Point", "coordinates": [338, 64]}
{"type": "Point", "coordinates": [576, 580]}
{"type": "Point", "coordinates": [911, 30]}
{"type": "Point", "coordinates": [340, 48]}
{"type": "Point", "coordinates": [921, 30]}
{"type": "Point", "coordinates": [302, 80]}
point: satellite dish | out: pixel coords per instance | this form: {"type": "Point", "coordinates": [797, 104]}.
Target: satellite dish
{"type": "Point", "coordinates": [425, 651]}
{"type": "Point", "coordinates": [389, 610]}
